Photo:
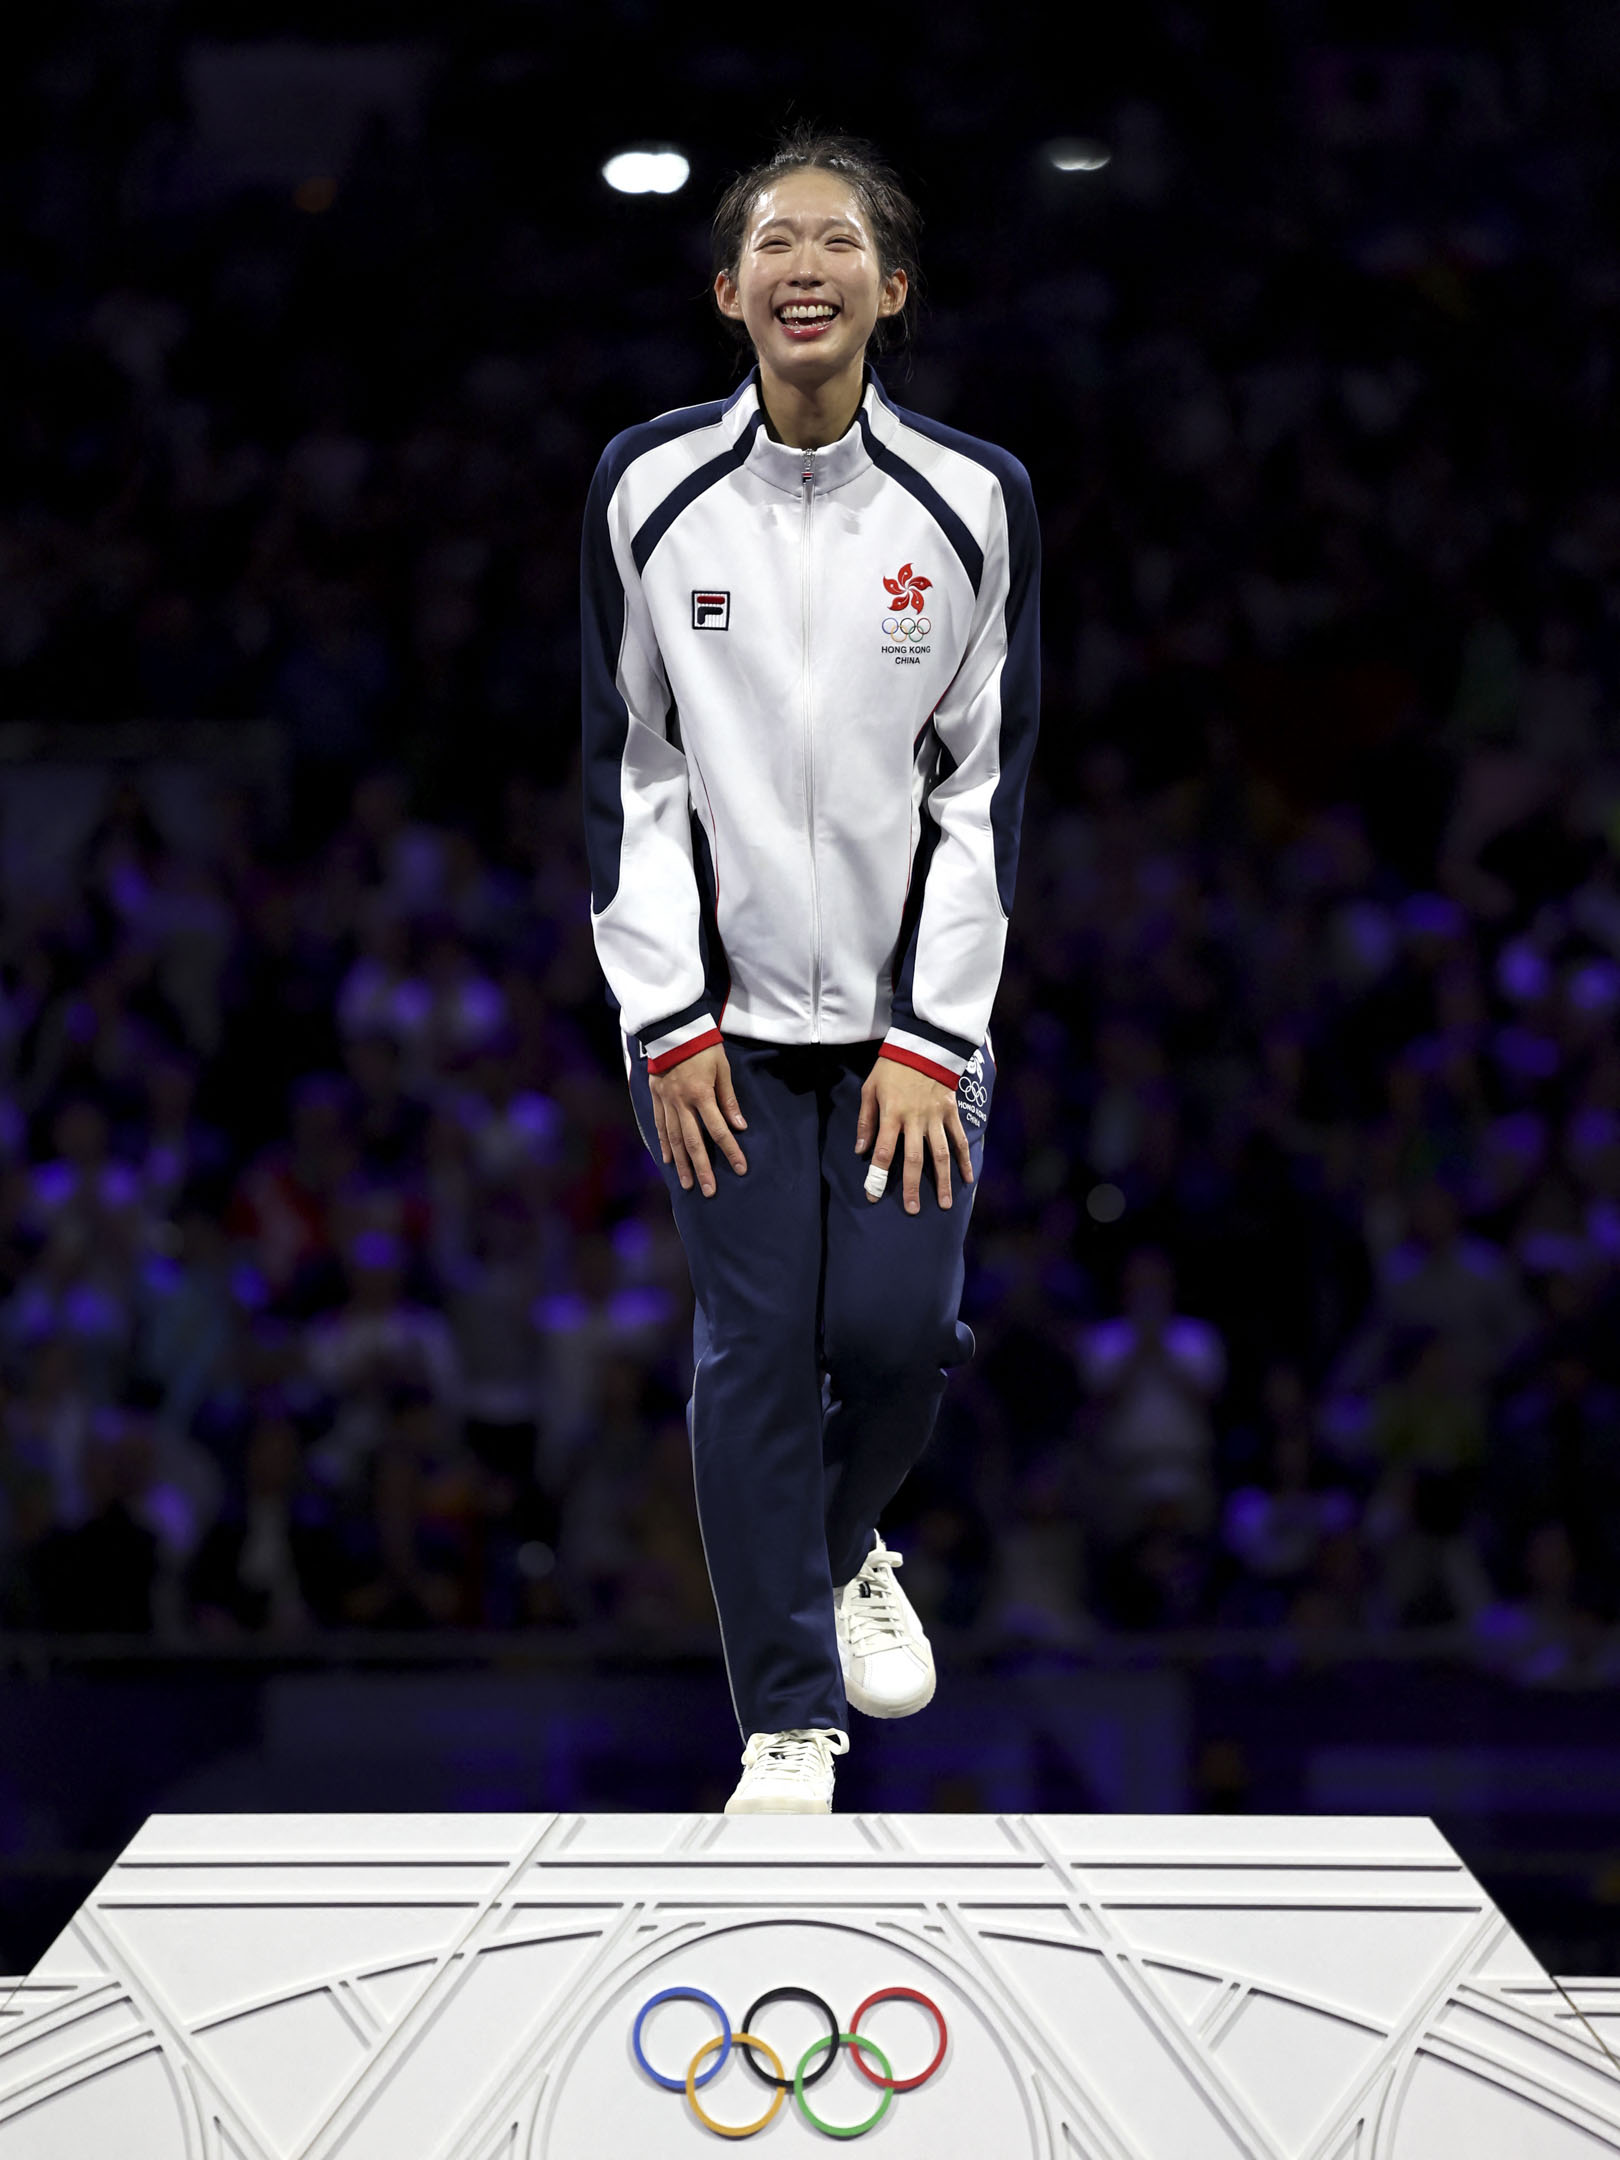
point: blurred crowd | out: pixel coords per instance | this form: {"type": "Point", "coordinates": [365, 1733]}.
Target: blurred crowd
{"type": "Point", "coordinates": [336, 1290]}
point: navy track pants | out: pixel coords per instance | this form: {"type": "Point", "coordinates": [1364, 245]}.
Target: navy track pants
{"type": "Point", "coordinates": [824, 1326]}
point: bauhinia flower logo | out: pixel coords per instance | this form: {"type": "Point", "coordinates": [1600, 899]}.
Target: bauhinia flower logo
{"type": "Point", "coordinates": [906, 590]}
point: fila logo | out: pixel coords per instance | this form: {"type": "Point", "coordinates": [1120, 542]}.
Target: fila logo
{"type": "Point", "coordinates": [711, 611]}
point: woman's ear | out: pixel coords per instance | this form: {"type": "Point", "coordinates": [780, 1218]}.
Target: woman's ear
{"type": "Point", "coordinates": [893, 296]}
{"type": "Point", "coordinates": [726, 296]}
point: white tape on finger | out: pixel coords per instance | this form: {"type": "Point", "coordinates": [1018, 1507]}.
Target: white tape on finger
{"type": "Point", "coordinates": [876, 1179]}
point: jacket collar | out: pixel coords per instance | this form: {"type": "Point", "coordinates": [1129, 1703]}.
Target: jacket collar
{"type": "Point", "coordinates": [779, 465]}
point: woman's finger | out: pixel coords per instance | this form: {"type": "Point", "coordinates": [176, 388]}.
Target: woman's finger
{"type": "Point", "coordinates": [677, 1149]}
{"type": "Point", "coordinates": [939, 1149]}
{"type": "Point", "coordinates": [914, 1156]}
{"type": "Point", "coordinates": [713, 1117]}
{"type": "Point", "coordinates": [882, 1156]}
{"type": "Point", "coordinates": [959, 1142]}
{"type": "Point", "coordinates": [692, 1134]}
{"type": "Point", "coordinates": [726, 1096]}
{"type": "Point", "coordinates": [866, 1124]}
{"type": "Point", "coordinates": [660, 1124]}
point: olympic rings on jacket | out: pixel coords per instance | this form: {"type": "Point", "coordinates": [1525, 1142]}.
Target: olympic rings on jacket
{"type": "Point", "coordinates": [746, 2041]}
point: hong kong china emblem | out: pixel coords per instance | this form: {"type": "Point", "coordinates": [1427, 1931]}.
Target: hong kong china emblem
{"type": "Point", "coordinates": [905, 624]}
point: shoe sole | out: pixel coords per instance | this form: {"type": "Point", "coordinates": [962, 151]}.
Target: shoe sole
{"type": "Point", "coordinates": [784, 1806]}
{"type": "Point", "coordinates": [868, 1706]}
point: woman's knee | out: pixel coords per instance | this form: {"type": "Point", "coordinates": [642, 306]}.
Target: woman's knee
{"type": "Point", "coordinates": [880, 1344]}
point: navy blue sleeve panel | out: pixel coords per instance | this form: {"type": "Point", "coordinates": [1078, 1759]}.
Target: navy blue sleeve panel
{"type": "Point", "coordinates": [681, 497]}
{"type": "Point", "coordinates": [647, 886]}
{"type": "Point", "coordinates": [948, 958]}
{"type": "Point", "coordinates": [606, 717]}
{"type": "Point", "coordinates": [679, 1029]}
{"type": "Point", "coordinates": [903, 1013]}
{"type": "Point", "coordinates": [1020, 675]}
{"type": "Point", "coordinates": [894, 467]}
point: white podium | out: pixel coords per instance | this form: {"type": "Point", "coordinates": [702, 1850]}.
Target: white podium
{"type": "Point", "coordinates": [415, 1987]}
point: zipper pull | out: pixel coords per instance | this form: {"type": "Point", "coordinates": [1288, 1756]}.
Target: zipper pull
{"type": "Point", "coordinates": [809, 472]}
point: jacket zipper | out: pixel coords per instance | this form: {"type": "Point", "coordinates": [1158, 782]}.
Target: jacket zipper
{"type": "Point", "coordinates": [808, 477]}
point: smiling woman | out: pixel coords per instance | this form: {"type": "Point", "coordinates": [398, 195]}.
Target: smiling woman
{"type": "Point", "coordinates": [815, 248]}
{"type": "Point", "coordinates": [811, 686]}
{"type": "Point", "coordinates": [839, 199]}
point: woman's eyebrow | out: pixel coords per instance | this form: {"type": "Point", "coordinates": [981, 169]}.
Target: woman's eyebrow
{"type": "Point", "coordinates": [770, 224]}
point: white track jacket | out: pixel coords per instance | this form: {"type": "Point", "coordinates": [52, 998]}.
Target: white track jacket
{"type": "Point", "coordinates": [811, 689]}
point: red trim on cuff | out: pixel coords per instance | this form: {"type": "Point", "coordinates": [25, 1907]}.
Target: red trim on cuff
{"type": "Point", "coordinates": [682, 1051]}
{"type": "Point", "coordinates": [941, 1073]}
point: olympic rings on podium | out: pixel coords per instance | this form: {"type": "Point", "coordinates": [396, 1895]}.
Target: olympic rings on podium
{"type": "Point", "coordinates": [793, 1994]}
{"type": "Point", "coordinates": [894, 1994]}
{"type": "Point", "coordinates": [843, 2130]}
{"type": "Point", "coordinates": [747, 2041]}
{"type": "Point", "coordinates": [726, 2042]}
{"type": "Point", "coordinates": [682, 1994]}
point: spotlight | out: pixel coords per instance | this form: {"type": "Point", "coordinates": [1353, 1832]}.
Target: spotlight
{"type": "Point", "coordinates": [653, 169]}
{"type": "Point", "coordinates": [1105, 1203]}
{"type": "Point", "coordinates": [1078, 153]}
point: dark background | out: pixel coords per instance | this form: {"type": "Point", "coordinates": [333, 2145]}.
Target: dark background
{"type": "Point", "coordinates": [342, 1327]}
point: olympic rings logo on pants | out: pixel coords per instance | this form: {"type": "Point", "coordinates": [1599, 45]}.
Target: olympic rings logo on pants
{"type": "Point", "coordinates": [747, 2041]}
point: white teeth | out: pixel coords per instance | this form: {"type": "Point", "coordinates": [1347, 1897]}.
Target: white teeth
{"type": "Point", "coordinates": [807, 314]}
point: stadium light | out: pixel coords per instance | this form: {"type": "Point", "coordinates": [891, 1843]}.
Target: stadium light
{"type": "Point", "coordinates": [652, 169]}
{"type": "Point", "coordinates": [1078, 153]}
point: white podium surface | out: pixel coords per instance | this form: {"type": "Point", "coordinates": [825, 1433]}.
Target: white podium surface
{"type": "Point", "coordinates": [415, 1987]}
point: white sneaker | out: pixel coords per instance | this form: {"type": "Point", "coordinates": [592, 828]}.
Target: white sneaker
{"type": "Point", "coordinates": [888, 1666]}
{"type": "Point", "coordinates": [788, 1773]}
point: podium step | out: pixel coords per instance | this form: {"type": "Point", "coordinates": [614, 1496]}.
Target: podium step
{"type": "Point", "coordinates": [548, 1987]}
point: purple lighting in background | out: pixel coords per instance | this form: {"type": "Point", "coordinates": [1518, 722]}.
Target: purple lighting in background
{"type": "Point", "coordinates": [341, 1316]}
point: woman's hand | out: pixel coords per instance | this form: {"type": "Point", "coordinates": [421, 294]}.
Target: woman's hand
{"type": "Point", "coordinates": [691, 1099]}
{"type": "Point", "coordinates": [899, 1102]}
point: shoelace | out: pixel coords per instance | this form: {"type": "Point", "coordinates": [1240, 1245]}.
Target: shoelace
{"type": "Point", "coordinates": [794, 1750]}
{"type": "Point", "coordinates": [871, 1612]}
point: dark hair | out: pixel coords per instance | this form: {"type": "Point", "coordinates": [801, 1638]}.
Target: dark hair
{"type": "Point", "coordinates": [804, 147]}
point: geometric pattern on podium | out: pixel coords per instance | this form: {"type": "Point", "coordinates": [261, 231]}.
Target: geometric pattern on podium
{"type": "Point", "coordinates": [410, 1987]}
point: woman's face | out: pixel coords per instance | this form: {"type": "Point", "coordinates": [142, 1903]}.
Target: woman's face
{"type": "Point", "coordinates": [809, 286]}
